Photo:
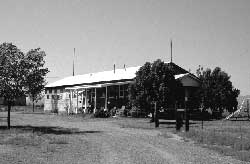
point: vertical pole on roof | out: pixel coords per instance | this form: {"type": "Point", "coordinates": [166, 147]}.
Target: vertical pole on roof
{"type": "Point", "coordinates": [74, 62]}
{"type": "Point", "coordinates": [95, 101]}
{"type": "Point", "coordinates": [171, 45]}
{"type": "Point", "coordinates": [106, 98]}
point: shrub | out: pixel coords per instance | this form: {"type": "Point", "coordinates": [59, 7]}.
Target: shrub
{"type": "Point", "coordinates": [102, 114]}
{"type": "Point", "coordinates": [137, 112]}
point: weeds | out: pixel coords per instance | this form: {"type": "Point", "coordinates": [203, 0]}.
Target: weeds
{"type": "Point", "coordinates": [228, 141]}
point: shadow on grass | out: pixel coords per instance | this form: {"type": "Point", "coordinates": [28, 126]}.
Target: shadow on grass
{"type": "Point", "coordinates": [48, 130]}
{"type": "Point", "coordinates": [31, 113]}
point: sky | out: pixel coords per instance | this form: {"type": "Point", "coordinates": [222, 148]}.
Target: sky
{"type": "Point", "coordinates": [209, 33]}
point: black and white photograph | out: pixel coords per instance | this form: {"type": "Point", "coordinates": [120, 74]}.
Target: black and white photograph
{"type": "Point", "coordinates": [124, 81]}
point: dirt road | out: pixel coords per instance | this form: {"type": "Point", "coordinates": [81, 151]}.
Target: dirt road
{"type": "Point", "coordinates": [104, 141]}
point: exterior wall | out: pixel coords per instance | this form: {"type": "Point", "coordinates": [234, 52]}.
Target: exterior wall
{"type": "Point", "coordinates": [189, 82]}
{"type": "Point", "coordinates": [62, 102]}
{"type": "Point", "coordinates": [59, 100]}
{"type": "Point", "coordinates": [67, 101]}
{"type": "Point", "coordinates": [56, 100]}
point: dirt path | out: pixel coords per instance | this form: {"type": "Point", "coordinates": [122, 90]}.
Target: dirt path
{"type": "Point", "coordinates": [103, 141]}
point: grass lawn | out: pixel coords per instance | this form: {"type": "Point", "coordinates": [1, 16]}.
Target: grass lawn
{"type": "Point", "coordinates": [25, 143]}
{"type": "Point", "coordinates": [231, 138]}
{"type": "Point", "coordinates": [40, 144]}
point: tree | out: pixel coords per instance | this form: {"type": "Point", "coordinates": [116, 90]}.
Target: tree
{"type": "Point", "coordinates": [12, 74]}
{"type": "Point", "coordinates": [155, 82]}
{"type": "Point", "coordinates": [20, 74]}
{"type": "Point", "coordinates": [216, 91]}
{"type": "Point", "coordinates": [36, 73]}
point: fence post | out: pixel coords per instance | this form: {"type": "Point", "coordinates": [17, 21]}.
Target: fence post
{"type": "Point", "coordinates": [156, 116]}
{"type": "Point", "coordinates": [186, 116]}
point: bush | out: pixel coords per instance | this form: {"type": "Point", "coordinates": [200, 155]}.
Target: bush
{"type": "Point", "coordinates": [137, 112]}
{"type": "Point", "coordinates": [102, 114]}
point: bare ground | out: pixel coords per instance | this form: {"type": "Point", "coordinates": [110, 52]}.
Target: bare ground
{"type": "Point", "coordinates": [41, 138]}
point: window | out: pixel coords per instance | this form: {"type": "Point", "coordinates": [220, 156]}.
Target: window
{"type": "Point", "coordinates": [92, 93]}
{"type": "Point", "coordinates": [55, 90]}
{"type": "Point", "coordinates": [113, 91]}
{"type": "Point", "coordinates": [46, 91]}
{"type": "Point", "coordinates": [123, 90]}
{"type": "Point", "coordinates": [50, 90]}
{"type": "Point", "coordinates": [121, 93]}
{"type": "Point", "coordinates": [61, 90]}
{"type": "Point", "coordinates": [47, 96]}
{"type": "Point", "coordinates": [101, 92]}
{"type": "Point", "coordinates": [126, 90]}
{"type": "Point", "coordinates": [56, 97]}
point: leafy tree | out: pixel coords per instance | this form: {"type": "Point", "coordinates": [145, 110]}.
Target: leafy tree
{"type": "Point", "coordinates": [216, 91]}
{"type": "Point", "coordinates": [155, 82]}
{"type": "Point", "coordinates": [139, 92]}
{"type": "Point", "coordinates": [166, 89]}
{"type": "Point", "coordinates": [20, 74]}
{"type": "Point", "coordinates": [35, 80]}
{"type": "Point", "coordinates": [12, 74]}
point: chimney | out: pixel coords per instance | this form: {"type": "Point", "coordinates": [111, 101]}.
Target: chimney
{"type": "Point", "coordinates": [124, 67]}
{"type": "Point", "coordinates": [114, 68]}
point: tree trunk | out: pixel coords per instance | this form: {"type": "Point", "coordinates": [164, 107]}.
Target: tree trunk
{"type": "Point", "coordinates": [33, 106]}
{"type": "Point", "coordinates": [9, 107]}
{"type": "Point", "coordinates": [153, 117]}
{"type": "Point", "coordinates": [156, 116]}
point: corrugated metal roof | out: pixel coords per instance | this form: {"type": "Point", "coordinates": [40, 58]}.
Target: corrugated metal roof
{"type": "Point", "coordinates": [120, 74]}
{"type": "Point", "coordinates": [105, 76]}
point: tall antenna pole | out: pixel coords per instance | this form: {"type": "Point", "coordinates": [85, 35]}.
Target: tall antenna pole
{"type": "Point", "coordinates": [171, 51]}
{"type": "Point", "coordinates": [74, 62]}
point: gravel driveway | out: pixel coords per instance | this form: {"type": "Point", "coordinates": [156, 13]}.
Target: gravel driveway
{"type": "Point", "coordinates": [104, 141]}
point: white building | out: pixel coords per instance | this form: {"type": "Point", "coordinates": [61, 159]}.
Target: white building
{"type": "Point", "coordinates": [101, 90]}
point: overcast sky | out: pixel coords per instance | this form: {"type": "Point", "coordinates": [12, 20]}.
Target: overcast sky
{"type": "Point", "coordinates": [209, 33]}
